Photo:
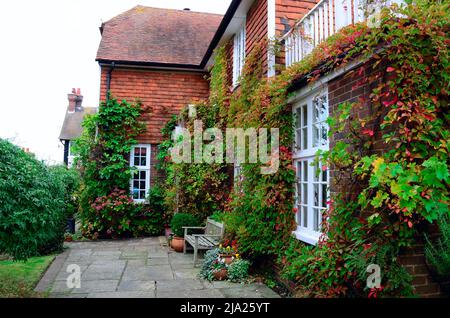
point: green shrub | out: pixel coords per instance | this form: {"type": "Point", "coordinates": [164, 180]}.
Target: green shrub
{"type": "Point", "coordinates": [438, 253]}
{"type": "Point", "coordinates": [156, 199]}
{"type": "Point", "coordinates": [207, 271]}
{"type": "Point", "coordinates": [32, 204]}
{"type": "Point", "coordinates": [117, 215]}
{"type": "Point", "coordinates": [71, 180]}
{"type": "Point", "coordinates": [238, 270]}
{"type": "Point", "coordinates": [182, 219]}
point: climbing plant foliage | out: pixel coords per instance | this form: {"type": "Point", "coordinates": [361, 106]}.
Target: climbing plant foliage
{"type": "Point", "coordinates": [390, 164]}
{"type": "Point", "coordinates": [103, 156]}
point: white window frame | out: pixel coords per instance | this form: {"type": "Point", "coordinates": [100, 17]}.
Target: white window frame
{"type": "Point", "coordinates": [239, 48]}
{"type": "Point", "coordinates": [140, 168]}
{"type": "Point", "coordinates": [308, 177]}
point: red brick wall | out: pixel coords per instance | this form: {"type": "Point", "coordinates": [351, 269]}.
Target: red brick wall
{"type": "Point", "coordinates": [164, 92]}
{"type": "Point", "coordinates": [288, 12]}
{"type": "Point", "coordinates": [257, 29]}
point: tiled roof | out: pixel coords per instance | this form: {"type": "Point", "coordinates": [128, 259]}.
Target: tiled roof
{"type": "Point", "coordinates": [71, 128]}
{"type": "Point", "coordinates": [153, 35]}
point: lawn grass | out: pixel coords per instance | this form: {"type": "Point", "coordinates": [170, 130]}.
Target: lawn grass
{"type": "Point", "coordinates": [18, 279]}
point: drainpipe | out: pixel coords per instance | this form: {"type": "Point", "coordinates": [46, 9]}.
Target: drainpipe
{"type": "Point", "coordinates": [108, 79]}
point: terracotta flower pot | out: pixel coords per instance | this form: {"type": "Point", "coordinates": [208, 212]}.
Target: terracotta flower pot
{"type": "Point", "coordinates": [178, 244]}
{"type": "Point", "coordinates": [221, 274]}
{"type": "Point", "coordinates": [228, 259]}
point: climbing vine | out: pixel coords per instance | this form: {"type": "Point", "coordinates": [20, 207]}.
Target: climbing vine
{"type": "Point", "coordinates": [103, 156]}
{"type": "Point", "coordinates": [390, 164]}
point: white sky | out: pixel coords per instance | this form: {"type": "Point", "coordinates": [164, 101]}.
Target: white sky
{"type": "Point", "coordinates": [48, 47]}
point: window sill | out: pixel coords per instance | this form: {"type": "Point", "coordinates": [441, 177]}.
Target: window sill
{"type": "Point", "coordinates": [307, 236]}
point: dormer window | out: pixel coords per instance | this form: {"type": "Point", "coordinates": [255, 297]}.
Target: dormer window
{"type": "Point", "coordinates": [238, 54]}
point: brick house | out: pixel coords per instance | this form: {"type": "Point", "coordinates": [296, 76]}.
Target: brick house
{"type": "Point", "coordinates": [158, 56]}
{"type": "Point", "coordinates": [146, 53]}
{"type": "Point", "coordinates": [71, 128]}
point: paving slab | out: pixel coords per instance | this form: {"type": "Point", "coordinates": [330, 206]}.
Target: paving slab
{"type": "Point", "coordinates": [123, 294]}
{"type": "Point", "coordinates": [194, 293]}
{"type": "Point", "coordinates": [179, 284]}
{"type": "Point", "coordinates": [136, 285]}
{"type": "Point", "coordinates": [154, 272]}
{"type": "Point", "coordinates": [137, 268]}
{"type": "Point", "coordinates": [86, 287]}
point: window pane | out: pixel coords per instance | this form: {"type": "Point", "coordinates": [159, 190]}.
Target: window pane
{"type": "Point", "coordinates": [136, 161]}
{"type": "Point", "coordinates": [315, 110]}
{"type": "Point", "coordinates": [141, 194]}
{"type": "Point", "coordinates": [316, 219]}
{"type": "Point", "coordinates": [305, 115]}
{"type": "Point", "coordinates": [305, 194]}
{"type": "Point", "coordinates": [324, 108]}
{"type": "Point", "coordinates": [137, 151]}
{"type": "Point", "coordinates": [298, 169]}
{"type": "Point", "coordinates": [298, 115]}
{"type": "Point", "coordinates": [305, 216]}
{"type": "Point", "coordinates": [143, 161]}
{"type": "Point", "coordinates": [316, 137]}
{"type": "Point", "coordinates": [324, 135]}
{"type": "Point", "coordinates": [324, 196]}
{"type": "Point", "coordinates": [305, 171]}
{"type": "Point", "coordinates": [135, 184]}
{"type": "Point", "coordinates": [143, 151]}
{"type": "Point", "coordinates": [305, 138]}
{"type": "Point", "coordinates": [316, 195]}
{"type": "Point", "coordinates": [324, 175]}
{"type": "Point", "coordinates": [142, 175]}
{"type": "Point", "coordinates": [316, 172]}
{"type": "Point", "coordinates": [298, 142]}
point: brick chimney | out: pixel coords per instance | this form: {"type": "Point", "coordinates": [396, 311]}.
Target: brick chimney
{"type": "Point", "coordinates": [75, 100]}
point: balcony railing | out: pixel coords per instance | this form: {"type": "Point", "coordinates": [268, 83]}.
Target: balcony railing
{"type": "Point", "coordinates": [325, 19]}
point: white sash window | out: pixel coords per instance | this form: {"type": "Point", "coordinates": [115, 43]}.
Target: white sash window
{"type": "Point", "coordinates": [312, 179]}
{"type": "Point", "coordinates": [238, 54]}
{"type": "Point", "coordinates": [140, 181]}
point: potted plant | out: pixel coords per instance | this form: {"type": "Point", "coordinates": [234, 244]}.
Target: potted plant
{"type": "Point", "coordinates": [219, 269]}
{"type": "Point", "coordinates": [177, 223]}
{"type": "Point", "coordinates": [228, 251]}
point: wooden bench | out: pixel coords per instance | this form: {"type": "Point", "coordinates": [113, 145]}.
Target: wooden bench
{"type": "Point", "coordinates": [213, 233]}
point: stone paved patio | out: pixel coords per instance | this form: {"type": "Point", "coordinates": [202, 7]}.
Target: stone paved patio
{"type": "Point", "coordinates": [137, 268]}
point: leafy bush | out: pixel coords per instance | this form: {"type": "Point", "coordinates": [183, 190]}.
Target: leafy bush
{"type": "Point", "coordinates": [156, 200]}
{"type": "Point", "coordinates": [207, 271]}
{"type": "Point", "coordinates": [71, 180]}
{"type": "Point", "coordinates": [438, 253]}
{"type": "Point", "coordinates": [32, 204]}
{"type": "Point", "coordinates": [182, 219]}
{"type": "Point", "coordinates": [117, 215]}
{"type": "Point", "coordinates": [238, 270]}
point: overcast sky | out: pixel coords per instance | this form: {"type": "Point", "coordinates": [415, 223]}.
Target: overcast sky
{"type": "Point", "coordinates": [48, 47]}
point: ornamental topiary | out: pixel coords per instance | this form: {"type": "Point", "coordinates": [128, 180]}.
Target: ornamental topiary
{"type": "Point", "coordinates": [182, 219]}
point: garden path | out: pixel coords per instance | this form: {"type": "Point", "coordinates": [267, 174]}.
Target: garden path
{"type": "Point", "coordinates": [137, 268]}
